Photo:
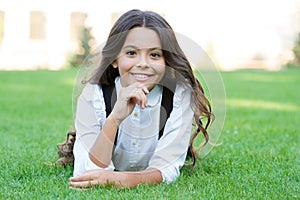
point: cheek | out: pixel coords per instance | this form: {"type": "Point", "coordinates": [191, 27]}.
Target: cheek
{"type": "Point", "coordinates": [124, 66]}
{"type": "Point", "coordinates": [161, 68]}
{"type": "Point", "coordinates": [161, 71]}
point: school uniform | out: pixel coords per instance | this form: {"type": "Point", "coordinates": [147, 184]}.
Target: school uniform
{"type": "Point", "coordinates": [137, 147]}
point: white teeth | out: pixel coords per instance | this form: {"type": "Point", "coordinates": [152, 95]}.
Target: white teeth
{"type": "Point", "coordinates": [140, 76]}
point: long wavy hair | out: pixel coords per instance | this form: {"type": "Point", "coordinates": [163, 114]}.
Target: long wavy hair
{"type": "Point", "coordinates": [178, 67]}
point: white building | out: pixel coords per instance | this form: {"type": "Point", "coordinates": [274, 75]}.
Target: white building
{"type": "Point", "coordinates": [39, 34]}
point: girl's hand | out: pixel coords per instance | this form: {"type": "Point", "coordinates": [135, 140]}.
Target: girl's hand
{"type": "Point", "coordinates": [103, 177]}
{"type": "Point", "coordinates": [127, 99]}
{"type": "Point", "coordinates": [91, 178]}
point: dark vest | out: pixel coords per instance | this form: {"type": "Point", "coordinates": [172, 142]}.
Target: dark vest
{"type": "Point", "coordinates": [110, 98]}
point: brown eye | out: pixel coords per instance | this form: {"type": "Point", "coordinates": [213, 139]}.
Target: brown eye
{"type": "Point", "coordinates": [155, 55]}
{"type": "Point", "coordinates": [130, 53]}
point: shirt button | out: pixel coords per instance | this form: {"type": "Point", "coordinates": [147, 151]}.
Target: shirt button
{"type": "Point", "coordinates": [135, 114]}
{"type": "Point", "coordinates": [134, 142]}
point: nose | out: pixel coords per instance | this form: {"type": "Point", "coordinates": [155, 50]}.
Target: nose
{"type": "Point", "coordinates": [143, 63]}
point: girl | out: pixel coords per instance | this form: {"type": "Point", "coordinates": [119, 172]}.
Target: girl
{"type": "Point", "coordinates": [128, 142]}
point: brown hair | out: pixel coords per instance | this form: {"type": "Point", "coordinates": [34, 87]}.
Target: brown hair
{"type": "Point", "coordinates": [178, 68]}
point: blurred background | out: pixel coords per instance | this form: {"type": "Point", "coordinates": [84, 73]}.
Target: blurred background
{"type": "Point", "coordinates": [44, 34]}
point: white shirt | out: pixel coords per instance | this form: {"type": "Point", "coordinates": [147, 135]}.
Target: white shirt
{"type": "Point", "coordinates": [137, 147]}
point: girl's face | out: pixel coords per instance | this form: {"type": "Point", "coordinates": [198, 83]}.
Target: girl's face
{"type": "Point", "coordinates": [141, 58]}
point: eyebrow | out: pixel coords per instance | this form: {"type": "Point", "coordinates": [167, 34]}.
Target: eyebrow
{"type": "Point", "coordinates": [135, 47]}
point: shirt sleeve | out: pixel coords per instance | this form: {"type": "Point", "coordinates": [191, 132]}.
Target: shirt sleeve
{"type": "Point", "coordinates": [172, 147]}
{"type": "Point", "coordinates": [89, 114]}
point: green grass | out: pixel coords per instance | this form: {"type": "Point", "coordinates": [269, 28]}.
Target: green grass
{"type": "Point", "coordinates": [259, 157]}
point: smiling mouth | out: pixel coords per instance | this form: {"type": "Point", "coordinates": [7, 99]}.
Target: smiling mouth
{"type": "Point", "coordinates": [141, 77]}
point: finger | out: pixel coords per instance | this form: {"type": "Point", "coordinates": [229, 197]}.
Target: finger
{"type": "Point", "coordinates": [144, 100]}
{"type": "Point", "coordinates": [83, 184]}
{"type": "Point", "coordinates": [136, 98]}
{"type": "Point", "coordinates": [80, 178]}
{"type": "Point", "coordinates": [145, 90]}
{"type": "Point", "coordinates": [140, 98]}
{"type": "Point", "coordinates": [88, 175]}
{"type": "Point", "coordinates": [140, 86]}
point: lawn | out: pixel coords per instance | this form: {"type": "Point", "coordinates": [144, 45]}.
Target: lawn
{"type": "Point", "coordinates": [259, 157]}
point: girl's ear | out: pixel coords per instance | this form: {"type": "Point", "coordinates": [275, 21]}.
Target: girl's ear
{"type": "Point", "coordinates": [114, 64]}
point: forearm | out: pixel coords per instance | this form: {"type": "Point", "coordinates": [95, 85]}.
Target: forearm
{"type": "Point", "coordinates": [101, 151]}
{"type": "Point", "coordinates": [133, 179]}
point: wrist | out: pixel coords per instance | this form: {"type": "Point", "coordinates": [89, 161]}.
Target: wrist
{"type": "Point", "coordinates": [113, 117]}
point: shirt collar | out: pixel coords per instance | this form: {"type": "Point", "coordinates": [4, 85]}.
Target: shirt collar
{"type": "Point", "coordinates": [154, 97]}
